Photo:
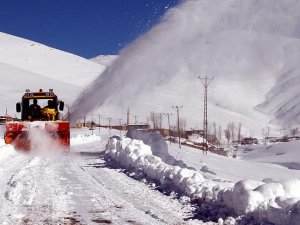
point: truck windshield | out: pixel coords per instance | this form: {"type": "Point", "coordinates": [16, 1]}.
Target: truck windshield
{"type": "Point", "coordinates": [49, 103]}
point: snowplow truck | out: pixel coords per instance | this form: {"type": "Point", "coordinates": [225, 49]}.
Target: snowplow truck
{"type": "Point", "coordinates": [40, 111]}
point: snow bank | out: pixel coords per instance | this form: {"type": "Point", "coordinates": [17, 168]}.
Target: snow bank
{"type": "Point", "coordinates": [157, 143]}
{"type": "Point", "coordinates": [134, 154]}
{"type": "Point", "coordinates": [271, 201]}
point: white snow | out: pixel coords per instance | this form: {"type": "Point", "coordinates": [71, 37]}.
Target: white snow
{"type": "Point", "coordinates": [263, 200]}
{"type": "Point", "coordinates": [252, 50]}
{"type": "Point", "coordinates": [84, 139]}
{"type": "Point", "coordinates": [274, 198]}
{"type": "Point", "coordinates": [25, 64]}
{"type": "Point", "coordinates": [39, 189]}
{"type": "Point", "coordinates": [46, 61]}
{"type": "Point", "coordinates": [105, 60]}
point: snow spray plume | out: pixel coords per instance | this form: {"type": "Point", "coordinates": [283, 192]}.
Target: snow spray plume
{"type": "Point", "coordinates": [227, 39]}
{"type": "Point", "coordinates": [42, 143]}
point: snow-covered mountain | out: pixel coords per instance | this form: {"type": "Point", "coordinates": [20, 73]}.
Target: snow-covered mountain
{"type": "Point", "coordinates": [27, 64]}
{"type": "Point", "coordinates": [283, 99]}
{"type": "Point", "coordinates": [66, 73]}
{"type": "Point", "coordinates": [105, 60]}
{"type": "Point", "coordinates": [47, 61]}
{"type": "Point", "coordinates": [239, 92]}
{"type": "Point", "coordinates": [249, 47]}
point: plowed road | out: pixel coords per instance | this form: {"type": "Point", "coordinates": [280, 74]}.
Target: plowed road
{"type": "Point", "coordinates": [78, 188]}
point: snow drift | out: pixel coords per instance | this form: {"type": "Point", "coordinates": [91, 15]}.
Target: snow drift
{"type": "Point", "coordinates": [267, 200]}
{"type": "Point", "coordinates": [157, 143]}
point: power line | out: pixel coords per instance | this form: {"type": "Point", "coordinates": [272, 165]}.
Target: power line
{"type": "Point", "coordinates": [109, 121]}
{"type": "Point", "coordinates": [128, 115]}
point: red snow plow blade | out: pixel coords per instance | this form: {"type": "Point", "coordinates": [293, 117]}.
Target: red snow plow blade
{"type": "Point", "coordinates": [18, 133]}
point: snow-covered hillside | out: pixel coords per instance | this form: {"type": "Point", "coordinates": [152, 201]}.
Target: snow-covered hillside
{"type": "Point", "coordinates": [248, 47]}
{"type": "Point", "coordinates": [47, 61]}
{"type": "Point", "coordinates": [27, 64]}
{"type": "Point", "coordinates": [228, 94]}
{"type": "Point", "coordinates": [15, 81]}
{"type": "Point", "coordinates": [105, 60]}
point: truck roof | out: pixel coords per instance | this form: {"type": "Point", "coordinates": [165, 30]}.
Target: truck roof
{"type": "Point", "coordinates": [40, 94]}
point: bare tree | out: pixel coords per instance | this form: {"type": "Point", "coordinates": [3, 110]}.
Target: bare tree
{"type": "Point", "coordinates": [294, 131]}
{"type": "Point", "coordinates": [268, 131]}
{"type": "Point", "coordinates": [156, 120]}
{"type": "Point", "coordinates": [231, 128]}
{"type": "Point", "coordinates": [152, 119]}
{"type": "Point", "coordinates": [227, 135]}
{"type": "Point", "coordinates": [239, 135]}
{"type": "Point", "coordinates": [160, 120]}
{"type": "Point", "coordinates": [215, 132]}
{"type": "Point", "coordinates": [265, 135]}
{"type": "Point", "coordinates": [182, 124]}
{"type": "Point", "coordinates": [219, 135]}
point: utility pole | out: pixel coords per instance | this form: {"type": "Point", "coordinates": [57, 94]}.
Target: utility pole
{"type": "Point", "coordinates": [109, 121]}
{"type": "Point", "coordinates": [128, 115]}
{"type": "Point", "coordinates": [177, 108]}
{"type": "Point", "coordinates": [99, 116]}
{"type": "Point", "coordinates": [120, 122]}
{"type": "Point", "coordinates": [92, 128]}
{"type": "Point", "coordinates": [161, 119]}
{"type": "Point", "coordinates": [168, 115]}
{"type": "Point", "coordinates": [135, 119]}
{"type": "Point", "coordinates": [206, 82]}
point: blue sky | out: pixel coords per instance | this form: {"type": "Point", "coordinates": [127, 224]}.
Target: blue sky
{"type": "Point", "coordinates": [84, 27]}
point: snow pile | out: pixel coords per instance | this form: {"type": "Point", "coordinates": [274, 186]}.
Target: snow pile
{"type": "Point", "coordinates": [157, 143]}
{"type": "Point", "coordinates": [84, 139]}
{"type": "Point", "coordinates": [196, 138]}
{"type": "Point", "coordinates": [276, 202]}
{"type": "Point", "coordinates": [134, 154]}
